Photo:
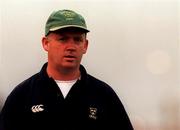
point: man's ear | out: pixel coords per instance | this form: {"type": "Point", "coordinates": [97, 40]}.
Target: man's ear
{"type": "Point", "coordinates": [45, 43]}
{"type": "Point", "coordinates": [85, 46]}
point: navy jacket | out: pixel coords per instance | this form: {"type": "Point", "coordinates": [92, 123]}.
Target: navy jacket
{"type": "Point", "coordinates": [38, 104]}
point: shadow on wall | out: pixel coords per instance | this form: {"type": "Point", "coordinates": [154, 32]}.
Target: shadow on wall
{"type": "Point", "coordinates": [1, 102]}
{"type": "Point", "coordinates": [169, 109]}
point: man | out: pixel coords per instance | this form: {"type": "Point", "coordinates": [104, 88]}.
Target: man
{"type": "Point", "coordinates": [63, 96]}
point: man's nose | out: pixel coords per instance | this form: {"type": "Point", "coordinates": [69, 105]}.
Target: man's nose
{"type": "Point", "coordinates": [71, 46]}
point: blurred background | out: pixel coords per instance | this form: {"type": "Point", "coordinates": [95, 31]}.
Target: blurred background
{"type": "Point", "coordinates": [133, 46]}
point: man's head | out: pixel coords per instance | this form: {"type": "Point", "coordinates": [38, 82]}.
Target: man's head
{"type": "Point", "coordinates": [64, 19]}
{"type": "Point", "coordinates": [65, 40]}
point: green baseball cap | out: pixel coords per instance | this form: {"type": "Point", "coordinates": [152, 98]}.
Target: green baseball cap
{"type": "Point", "coordinates": [63, 19]}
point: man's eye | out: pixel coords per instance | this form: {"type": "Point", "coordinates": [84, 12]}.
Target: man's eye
{"type": "Point", "coordinates": [78, 39]}
{"type": "Point", "coordinates": [62, 39]}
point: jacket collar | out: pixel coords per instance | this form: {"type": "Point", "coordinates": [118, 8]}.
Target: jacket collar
{"type": "Point", "coordinates": [44, 75]}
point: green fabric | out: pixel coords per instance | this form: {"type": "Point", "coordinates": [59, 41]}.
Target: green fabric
{"type": "Point", "coordinates": [64, 18]}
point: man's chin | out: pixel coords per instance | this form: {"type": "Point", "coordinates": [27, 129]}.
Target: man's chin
{"type": "Point", "coordinates": [70, 66]}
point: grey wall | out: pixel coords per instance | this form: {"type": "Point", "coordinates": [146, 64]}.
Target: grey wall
{"type": "Point", "coordinates": [134, 47]}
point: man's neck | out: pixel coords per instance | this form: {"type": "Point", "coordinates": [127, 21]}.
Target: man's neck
{"type": "Point", "coordinates": [63, 74]}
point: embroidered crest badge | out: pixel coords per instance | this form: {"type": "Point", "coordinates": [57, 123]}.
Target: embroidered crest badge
{"type": "Point", "coordinates": [93, 113]}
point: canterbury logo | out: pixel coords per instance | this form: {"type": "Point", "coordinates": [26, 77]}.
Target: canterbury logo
{"type": "Point", "coordinates": [37, 108]}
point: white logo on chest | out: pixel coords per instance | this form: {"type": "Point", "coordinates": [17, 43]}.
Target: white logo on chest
{"type": "Point", "coordinates": [37, 108]}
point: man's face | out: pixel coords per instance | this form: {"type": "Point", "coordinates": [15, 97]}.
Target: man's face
{"type": "Point", "coordinates": [65, 48]}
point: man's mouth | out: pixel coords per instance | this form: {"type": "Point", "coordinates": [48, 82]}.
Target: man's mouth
{"type": "Point", "coordinates": [70, 57]}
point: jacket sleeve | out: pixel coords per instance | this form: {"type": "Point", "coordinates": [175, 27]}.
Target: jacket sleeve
{"type": "Point", "coordinates": [118, 117]}
{"type": "Point", "coordinates": [11, 116]}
